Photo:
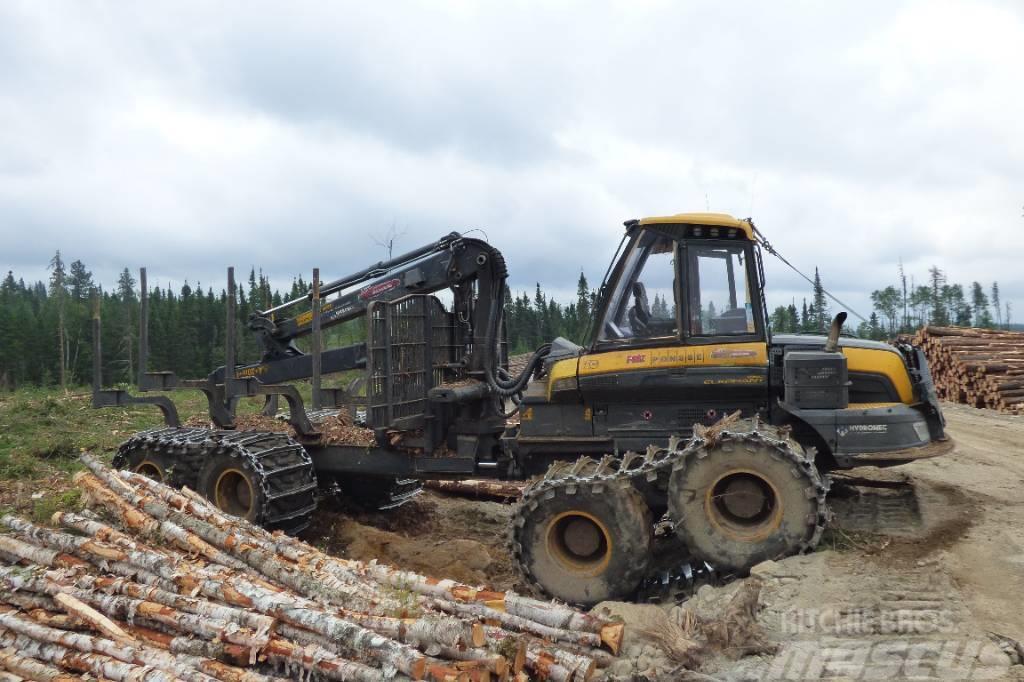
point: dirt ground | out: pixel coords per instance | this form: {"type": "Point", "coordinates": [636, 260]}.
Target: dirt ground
{"type": "Point", "coordinates": [435, 534]}
{"type": "Point", "coordinates": [923, 563]}
{"type": "Point", "coordinates": [929, 572]}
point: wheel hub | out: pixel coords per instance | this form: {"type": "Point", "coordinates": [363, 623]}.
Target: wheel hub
{"type": "Point", "coordinates": [744, 504]}
{"type": "Point", "coordinates": [579, 542]}
{"type": "Point", "coordinates": [150, 470]}
{"type": "Point", "coordinates": [234, 494]}
{"type": "Point", "coordinates": [744, 498]}
{"type": "Point", "coordinates": [582, 537]}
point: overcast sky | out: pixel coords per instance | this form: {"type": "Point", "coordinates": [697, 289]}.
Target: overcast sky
{"type": "Point", "coordinates": [190, 136]}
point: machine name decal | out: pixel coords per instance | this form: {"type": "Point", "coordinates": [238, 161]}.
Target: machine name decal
{"type": "Point", "coordinates": [675, 357]}
{"type": "Point", "coordinates": [636, 359]}
{"type": "Point", "coordinates": [251, 371]}
{"type": "Point", "coordinates": [727, 353]}
{"type": "Point", "coordinates": [307, 317]}
{"type": "Point", "coordinates": [749, 379]}
{"type": "Point", "coordinates": [862, 428]}
{"type": "Point", "coordinates": [375, 290]}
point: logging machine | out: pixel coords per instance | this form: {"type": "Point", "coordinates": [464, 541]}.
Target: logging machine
{"type": "Point", "coordinates": [682, 406]}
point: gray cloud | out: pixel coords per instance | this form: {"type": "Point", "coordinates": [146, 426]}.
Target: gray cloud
{"type": "Point", "coordinates": [188, 138]}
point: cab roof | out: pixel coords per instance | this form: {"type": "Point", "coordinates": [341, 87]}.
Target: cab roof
{"type": "Point", "coordinates": [710, 219]}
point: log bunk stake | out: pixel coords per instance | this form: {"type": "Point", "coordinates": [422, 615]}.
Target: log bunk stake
{"type": "Point", "coordinates": [976, 367]}
{"type": "Point", "coordinates": [180, 591]}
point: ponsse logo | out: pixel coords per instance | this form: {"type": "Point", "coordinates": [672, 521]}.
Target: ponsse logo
{"type": "Point", "coordinates": [635, 359]}
{"type": "Point", "coordinates": [375, 290]}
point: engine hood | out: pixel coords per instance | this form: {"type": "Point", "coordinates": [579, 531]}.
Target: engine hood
{"type": "Point", "coordinates": [818, 341]}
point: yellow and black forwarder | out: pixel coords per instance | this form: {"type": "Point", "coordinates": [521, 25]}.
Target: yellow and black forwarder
{"type": "Point", "coordinates": [682, 406]}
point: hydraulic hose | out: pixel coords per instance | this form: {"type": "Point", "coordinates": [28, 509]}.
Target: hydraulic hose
{"type": "Point", "coordinates": [503, 387]}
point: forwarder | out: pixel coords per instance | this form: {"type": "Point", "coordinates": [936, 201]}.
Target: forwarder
{"type": "Point", "coordinates": [682, 406]}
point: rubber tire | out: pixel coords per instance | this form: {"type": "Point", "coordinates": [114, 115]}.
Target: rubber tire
{"type": "Point", "coordinates": [623, 512]}
{"type": "Point", "coordinates": [217, 465]}
{"type": "Point", "coordinates": [162, 461]}
{"type": "Point", "coordinates": [688, 499]}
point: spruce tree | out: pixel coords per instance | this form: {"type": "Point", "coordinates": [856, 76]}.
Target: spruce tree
{"type": "Point", "coordinates": [58, 293]}
{"type": "Point", "coordinates": [584, 313]}
{"type": "Point", "coordinates": [982, 317]}
{"type": "Point", "coordinates": [820, 317]}
{"type": "Point", "coordinates": [996, 306]}
{"type": "Point", "coordinates": [939, 314]}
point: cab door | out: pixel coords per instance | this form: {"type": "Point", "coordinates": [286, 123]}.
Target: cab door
{"type": "Point", "coordinates": [724, 324]}
{"type": "Point", "coordinates": [632, 395]}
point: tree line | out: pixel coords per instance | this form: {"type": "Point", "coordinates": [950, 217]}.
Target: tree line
{"type": "Point", "coordinates": [46, 327]}
{"type": "Point", "coordinates": [904, 307]}
{"type": "Point", "coordinates": [46, 338]}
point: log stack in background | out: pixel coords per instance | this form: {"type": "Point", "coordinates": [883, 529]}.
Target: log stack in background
{"type": "Point", "coordinates": [977, 367]}
{"type": "Point", "coordinates": [176, 590]}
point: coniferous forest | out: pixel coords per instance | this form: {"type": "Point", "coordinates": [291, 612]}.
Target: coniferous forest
{"type": "Point", "coordinates": [46, 333]}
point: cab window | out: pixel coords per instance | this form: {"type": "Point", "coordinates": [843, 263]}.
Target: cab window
{"type": "Point", "coordinates": [643, 305]}
{"type": "Point", "coordinates": [719, 291]}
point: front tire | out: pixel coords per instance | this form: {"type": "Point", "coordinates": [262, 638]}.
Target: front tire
{"type": "Point", "coordinates": [741, 501]}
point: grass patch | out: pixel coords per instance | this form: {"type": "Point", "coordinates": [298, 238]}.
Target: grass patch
{"type": "Point", "coordinates": [46, 507]}
{"type": "Point", "coordinates": [42, 430]}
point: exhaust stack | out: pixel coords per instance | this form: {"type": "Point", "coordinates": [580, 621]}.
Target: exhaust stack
{"type": "Point", "coordinates": [833, 334]}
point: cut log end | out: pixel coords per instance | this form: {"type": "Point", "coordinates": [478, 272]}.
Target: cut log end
{"type": "Point", "coordinates": [611, 636]}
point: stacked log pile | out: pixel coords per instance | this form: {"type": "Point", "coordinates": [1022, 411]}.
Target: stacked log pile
{"type": "Point", "coordinates": [173, 589]}
{"type": "Point", "coordinates": [978, 367]}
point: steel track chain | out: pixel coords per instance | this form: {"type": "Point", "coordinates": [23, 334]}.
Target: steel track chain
{"type": "Point", "coordinates": [655, 466]}
{"type": "Point", "coordinates": [283, 468]}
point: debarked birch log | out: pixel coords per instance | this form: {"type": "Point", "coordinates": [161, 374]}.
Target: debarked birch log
{"type": "Point", "coordinates": [225, 585]}
{"type": "Point", "coordinates": [551, 614]}
{"type": "Point", "coordinates": [192, 668]}
{"type": "Point", "coordinates": [184, 539]}
{"type": "Point", "coordinates": [425, 633]}
{"type": "Point", "coordinates": [101, 665]}
{"type": "Point", "coordinates": [516, 623]}
{"type": "Point", "coordinates": [25, 668]}
{"type": "Point", "coordinates": [557, 617]}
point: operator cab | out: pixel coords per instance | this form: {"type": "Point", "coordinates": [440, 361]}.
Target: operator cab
{"type": "Point", "coordinates": [679, 339]}
{"type": "Point", "coordinates": [685, 277]}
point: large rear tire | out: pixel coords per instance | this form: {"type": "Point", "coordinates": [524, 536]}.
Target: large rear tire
{"type": "Point", "coordinates": [583, 542]}
{"type": "Point", "coordinates": [233, 486]}
{"type": "Point", "coordinates": [741, 500]}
